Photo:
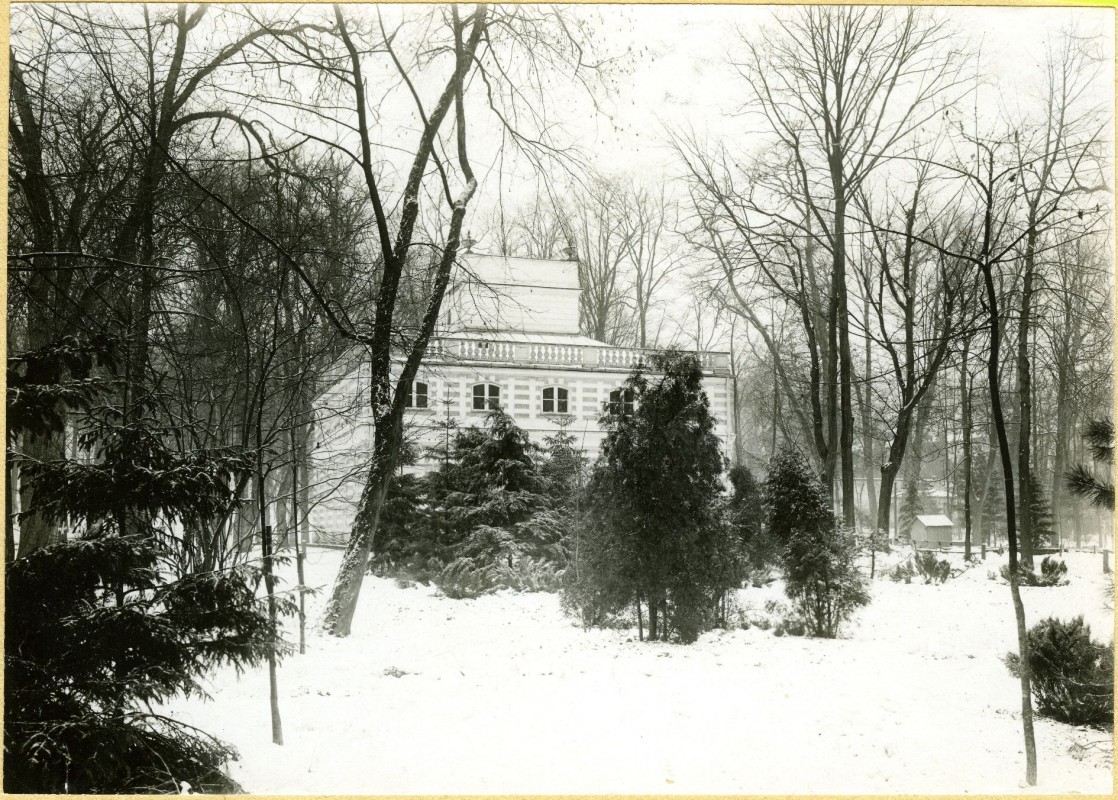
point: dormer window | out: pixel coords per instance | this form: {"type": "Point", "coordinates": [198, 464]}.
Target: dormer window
{"type": "Point", "coordinates": [555, 400]}
{"type": "Point", "coordinates": [621, 402]}
{"type": "Point", "coordinates": [487, 397]}
{"type": "Point", "coordinates": [417, 395]}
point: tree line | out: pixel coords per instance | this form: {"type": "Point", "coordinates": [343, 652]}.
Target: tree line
{"type": "Point", "coordinates": [213, 213]}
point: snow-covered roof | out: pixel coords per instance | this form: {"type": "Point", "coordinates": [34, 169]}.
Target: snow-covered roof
{"type": "Point", "coordinates": [516, 271]}
{"type": "Point", "coordinates": [934, 521]}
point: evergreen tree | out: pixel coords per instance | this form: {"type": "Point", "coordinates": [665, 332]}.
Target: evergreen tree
{"type": "Point", "coordinates": [746, 512]}
{"type": "Point", "coordinates": [98, 629]}
{"type": "Point", "coordinates": [1082, 480]}
{"type": "Point", "coordinates": [911, 507]}
{"type": "Point", "coordinates": [820, 576]}
{"type": "Point", "coordinates": [494, 514]}
{"type": "Point", "coordinates": [653, 531]}
{"type": "Point", "coordinates": [794, 499]}
{"type": "Point", "coordinates": [1041, 523]}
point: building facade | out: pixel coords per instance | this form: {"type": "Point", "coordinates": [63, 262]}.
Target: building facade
{"type": "Point", "coordinates": [509, 337]}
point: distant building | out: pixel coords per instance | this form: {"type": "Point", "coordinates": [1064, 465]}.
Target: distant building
{"type": "Point", "coordinates": [932, 530]}
{"type": "Point", "coordinates": [509, 336]}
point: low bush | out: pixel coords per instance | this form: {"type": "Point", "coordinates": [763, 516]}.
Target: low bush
{"type": "Point", "coordinates": [932, 569]}
{"type": "Point", "coordinates": [822, 580]}
{"type": "Point", "coordinates": [1052, 573]}
{"type": "Point", "coordinates": [531, 575]}
{"type": "Point", "coordinates": [902, 572]}
{"type": "Point", "coordinates": [793, 627]}
{"type": "Point", "coordinates": [463, 579]}
{"type": "Point", "coordinates": [1072, 675]}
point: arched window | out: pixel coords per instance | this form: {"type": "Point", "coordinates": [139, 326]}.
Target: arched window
{"type": "Point", "coordinates": [555, 400]}
{"type": "Point", "coordinates": [417, 395]}
{"type": "Point", "coordinates": [487, 397]}
{"type": "Point", "coordinates": [621, 402]}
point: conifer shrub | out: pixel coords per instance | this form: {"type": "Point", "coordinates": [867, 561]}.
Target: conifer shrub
{"type": "Point", "coordinates": [496, 514]}
{"type": "Point", "coordinates": [100, 629]}
{"type": "Point", "coordinates": [531, 575]}
{"type": "Point", "coordinates": [820, 576]}
{"type": "Point", "coordinates": [653, 529]}
{"type": "Point", "coordinates": [94, 637]}
{"type": "Point", "coordinates": [930, 568]}
{"type": "Point", "coordinates": [794, 627]}
{"type": "Point", "coordinates": [902, 572]}
{"type": "Point", "coordinates": [1072, 675]}
{"type": "Point", "coordinates": [746, 516]}
{"type": "Point", "coordinates": [1052, 573]}
{"type": "Point", "coordinates": [465, 579]}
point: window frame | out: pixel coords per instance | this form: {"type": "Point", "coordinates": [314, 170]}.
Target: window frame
{"type": "Point", "coordinates": [625, 403]}
{"type": "Point", "coordinates": [413, 396]}
{"type": "Point", "coordinates": [559, 395]}
{"type": "Point", "coordinates": [490, 396]}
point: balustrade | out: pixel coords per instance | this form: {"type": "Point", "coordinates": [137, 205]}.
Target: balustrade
{"type": "Point", "coordinates": [481, 349]}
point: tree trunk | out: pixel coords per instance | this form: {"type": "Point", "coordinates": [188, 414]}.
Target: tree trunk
{"type": "Point", "coordinates": [867, 427]}
{"type": "Point", "coordinates": [846, 371]}
{"type": "Point", "coordinates": [1010, 510]}
{"type": "Point", "coordinates": [294, 536]}
{"type": "Point", "coordinates": [35, 531]}
{"type": "Point", "coordinates": [1025, 403]}
{"type": "Point", "coordinates": [9, 511]}
{"type": "Point", "coordinates": [269, 583]}
{"type": "Point", "coordinates": [964, 383]}
{"type": "Point", "coordinates": [885, 494]}
{"type": "Point", "coordinates": [915, 464]}
{"type": "Point", "coordinates": [338, 617]}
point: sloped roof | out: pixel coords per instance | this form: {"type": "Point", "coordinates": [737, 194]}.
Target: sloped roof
{"type": "Point", "coordinates": [516, 271]}
{"type": "Point", "coordinates": [934, 521]}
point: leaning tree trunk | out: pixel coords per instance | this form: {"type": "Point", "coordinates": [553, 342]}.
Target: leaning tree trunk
{"type": "Point", "coordinates": [338, 617]}
{"type": "Point", "coordinates": [1010, 509]}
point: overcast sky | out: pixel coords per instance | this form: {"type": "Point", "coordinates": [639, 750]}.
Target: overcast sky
{"type": "Point", "coordinates": [683, 78]}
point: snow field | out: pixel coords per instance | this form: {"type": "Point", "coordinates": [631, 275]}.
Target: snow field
{"type": "Point", "coordinates": [505, 694]}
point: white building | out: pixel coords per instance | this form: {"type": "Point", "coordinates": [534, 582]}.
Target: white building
{"type": "Point", "coordinates": [509, 337]}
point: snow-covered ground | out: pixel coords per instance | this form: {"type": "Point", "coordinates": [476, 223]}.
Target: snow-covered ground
{"type": "Point", "coordinates": [506, 695]}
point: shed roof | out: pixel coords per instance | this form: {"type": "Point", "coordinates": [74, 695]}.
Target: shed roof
{"type": "Point", "coordinates": [934, 520]}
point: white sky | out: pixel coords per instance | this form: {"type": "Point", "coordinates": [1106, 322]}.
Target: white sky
{"type": "Point", "coordinates": [684, 78]}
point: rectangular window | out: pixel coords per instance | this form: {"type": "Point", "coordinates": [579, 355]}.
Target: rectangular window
{"type": "Point", "coordinates": [487, 396]}
{"type": "Point", "coordinates": [621, 402]}
{"type": "Point", "coordinates": [417, 395]}
{"type": "Point", "coordinates": [554, 400]}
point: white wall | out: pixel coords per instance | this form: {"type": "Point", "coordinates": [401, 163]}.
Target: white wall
{"type": "Point", "coordinates": [338, 461]}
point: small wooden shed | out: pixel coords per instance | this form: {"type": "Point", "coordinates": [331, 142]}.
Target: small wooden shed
{"type": "Point", "coordinates": [932, 530]}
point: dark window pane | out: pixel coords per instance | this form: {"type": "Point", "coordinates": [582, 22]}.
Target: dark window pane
{"type": "Point", "coordinates": [421, 395]}
{"type": "Point", "coordinates": [561, 401]}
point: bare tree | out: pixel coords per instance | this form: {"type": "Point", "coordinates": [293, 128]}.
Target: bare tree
{"type": "Point", "coordinates": [842, 89]}
{"type": "Point", "coordinates": [600, 231]}
{"type": "Point", "coordinates": [1058, 161]}
{"type": "Point", "coordinates": [654, 251]}
{"type": "Point", "coordinates": [457, 49]}
{"type": "Point", "coordinates": [918, 298]}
